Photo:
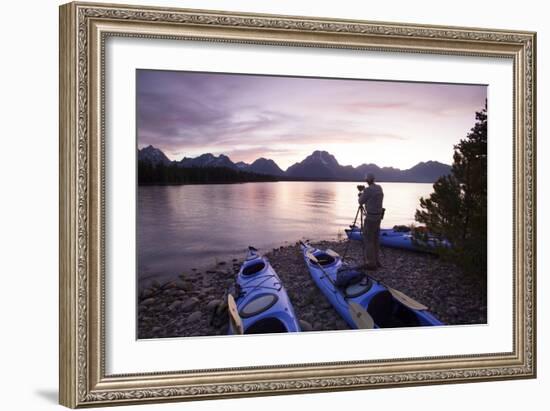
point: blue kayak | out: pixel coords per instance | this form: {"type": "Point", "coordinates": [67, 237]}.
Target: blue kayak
{"type": "Point", "coordinates": [343, 285]}
{"type": "Point", "coordinates": [399, 239]}
{"type": "Point", "coordinates": [262, 302]}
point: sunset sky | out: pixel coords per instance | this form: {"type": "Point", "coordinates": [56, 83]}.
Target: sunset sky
{"type": "Point", "coordinates": [286, 118]}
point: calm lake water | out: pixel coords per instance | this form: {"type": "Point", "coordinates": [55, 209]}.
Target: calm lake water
{"type": "Point", "coordinates": [195, 226]}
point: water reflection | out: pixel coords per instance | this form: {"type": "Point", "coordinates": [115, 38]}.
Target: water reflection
{"type": "Point", "coordinates": [319, 196]}
{"type": "Point", "coordinates": [183, 227]}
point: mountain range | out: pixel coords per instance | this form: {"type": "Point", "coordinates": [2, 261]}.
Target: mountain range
{"type": "Point", "coordinates": [318, 166]}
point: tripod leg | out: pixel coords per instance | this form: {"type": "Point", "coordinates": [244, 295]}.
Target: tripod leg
{"type": "Point", "coordinates": [359, 209]}
{"type": "Point", "coordinates": [364, 236]}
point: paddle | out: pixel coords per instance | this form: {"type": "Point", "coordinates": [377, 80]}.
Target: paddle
{"type": "Point", "coordinates": [405, 299]}
{"type": "Point", "coordinates": [360, 316]}
{"type": "Point", "coordinates": [332, 253]}
{"type": "Point", "coordinates": [235, 321]}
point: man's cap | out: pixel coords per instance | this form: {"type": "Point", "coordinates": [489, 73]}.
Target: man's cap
{"type": "Point", "coordinates": [369, 177]}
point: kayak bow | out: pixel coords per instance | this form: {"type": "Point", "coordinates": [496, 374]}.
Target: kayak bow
{"type": "Point", "coordinates": [262, 304]}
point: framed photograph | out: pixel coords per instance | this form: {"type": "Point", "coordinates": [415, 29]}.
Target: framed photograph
{"type": "Point", "coordinates": [259, 204]}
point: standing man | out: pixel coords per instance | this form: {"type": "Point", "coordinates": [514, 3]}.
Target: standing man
{"type": "Point", "coordinates": [372, 198]}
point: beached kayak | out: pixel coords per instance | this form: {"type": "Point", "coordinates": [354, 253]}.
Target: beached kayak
{"type": "Point", "coordinates": [262, 304]}
{"type": "Point", "coordinates": [350, 290]}
{"type": "Point", "coordinates": [399, 239]}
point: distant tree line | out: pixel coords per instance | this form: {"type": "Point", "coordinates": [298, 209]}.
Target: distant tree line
{"type": "Point", "coordinates": [172, 174]}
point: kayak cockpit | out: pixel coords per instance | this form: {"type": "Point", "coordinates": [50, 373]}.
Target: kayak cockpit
{"type": "Point", "coordinates": [324, 259]}
{"type": "Point", "coordinates": [389, 313]}
{"type": "Point", "coordinates": [253, 268]}
{"type": "Point", "coordinates": [266, 326]}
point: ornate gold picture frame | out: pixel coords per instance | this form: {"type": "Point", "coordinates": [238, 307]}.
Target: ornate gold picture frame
{"type": "Point", "coordinates": [84, 30]}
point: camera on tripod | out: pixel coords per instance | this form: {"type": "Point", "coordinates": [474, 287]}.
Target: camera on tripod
{"type": "Point", "coordinates": [360, 188]}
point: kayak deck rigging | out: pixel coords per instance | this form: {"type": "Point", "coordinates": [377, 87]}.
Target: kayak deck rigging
{"type": "Point", "coordinates": [276, 286]}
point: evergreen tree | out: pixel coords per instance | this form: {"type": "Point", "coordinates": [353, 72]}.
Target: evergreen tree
{"type": "Point", "coordinates": [457, 209]}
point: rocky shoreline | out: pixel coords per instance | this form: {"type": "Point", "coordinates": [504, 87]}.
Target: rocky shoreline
{"type": "Point", "coordinates": [192, 304]}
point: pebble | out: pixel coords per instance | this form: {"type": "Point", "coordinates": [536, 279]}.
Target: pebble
{"type": "Point", "coordinates": [175, 305]}
{"type": "Point", "coordinates": [305, 326]}
{"type": "Point", "coordinates": [318, 326]}
{"type": "Point", "coordinates": [149, 301]}
{"type": "Point", "coordinates": [194, 317]}
{"type": "Point", "coordinates": [213, 304]}
{"type": "Point", "coordinates": [189, 304]}
{"type": "Point", "coordinates": [147, 293]}
{"type": "Point", "coordinates": [186, 285]}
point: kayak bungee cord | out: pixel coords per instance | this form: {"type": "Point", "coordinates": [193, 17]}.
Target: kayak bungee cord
{"type": "Point", "coordinates": [257, 286]}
